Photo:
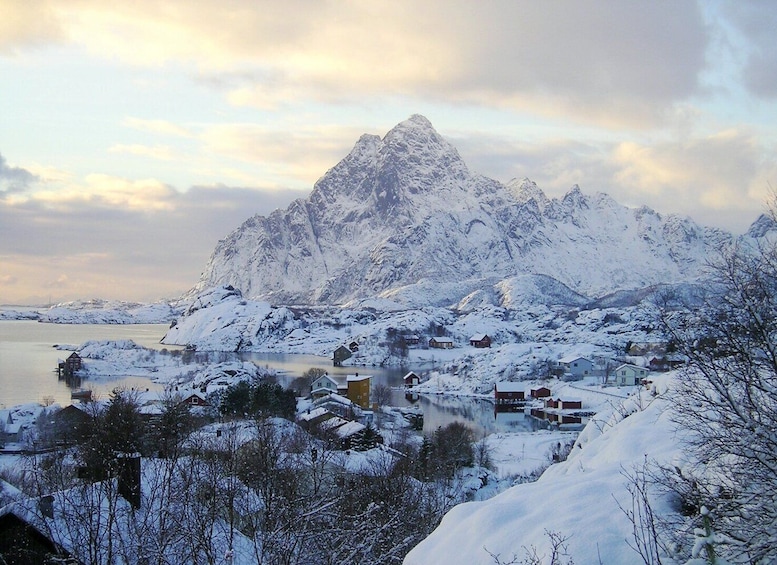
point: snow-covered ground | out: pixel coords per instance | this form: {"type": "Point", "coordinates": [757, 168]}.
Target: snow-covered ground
{"type": "Point", "coordinates": [578, 499]}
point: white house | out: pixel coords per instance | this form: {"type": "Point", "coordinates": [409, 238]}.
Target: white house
{"type": "Point", "coordinates": [327, 384]}
{"type": "Point", "coordinates": [629, 375]}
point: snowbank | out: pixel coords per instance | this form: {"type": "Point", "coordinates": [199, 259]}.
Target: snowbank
{"type": "Point", "coordinates": [577, 499]}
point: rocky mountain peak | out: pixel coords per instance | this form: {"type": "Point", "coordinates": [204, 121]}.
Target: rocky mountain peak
{"type": "Point", "coordinates": [762, 226]}
{"type": "Point", "coordinates": [403, 211]}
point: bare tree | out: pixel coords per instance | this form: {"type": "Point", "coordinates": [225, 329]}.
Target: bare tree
{"type": "Point", "coordinates": [727, 399]}
{"type": "Point", "coordinates": [381, 394]}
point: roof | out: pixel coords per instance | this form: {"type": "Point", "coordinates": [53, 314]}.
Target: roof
{"type": "Point", "coordinates": [349, 428]}
{"type": "Point", "coordinates": [313, 414]}
{"type": "Point", "coordinates": [478, 337]}
{"type": "Point", "coordinates": [443, 339]}
{"type": "Point", "coordinates": [630, 366]}
{"type": "Point", "coordinates": [333, 423]}
{"type": "Point", "coordinates": [332, 397]}
{"type": "Point", "coordinates": [571, 358]}
{"type": "Point", "coordinates": [510, 386]}
{"type": "Point", "coordinates": [357, 377]}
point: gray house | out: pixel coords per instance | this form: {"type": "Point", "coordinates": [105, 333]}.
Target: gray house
{"type": "Point", "coordinates": [576, 367]}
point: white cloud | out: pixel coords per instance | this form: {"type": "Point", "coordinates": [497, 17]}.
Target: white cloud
{"type": "Point", "coordinates": [620, 63]}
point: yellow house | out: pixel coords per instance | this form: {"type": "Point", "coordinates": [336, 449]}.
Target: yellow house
{"type": "Point", "coordinates": [359, 389]}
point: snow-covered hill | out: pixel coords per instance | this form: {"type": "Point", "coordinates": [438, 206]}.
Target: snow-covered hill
{"type": "Point", "coordinates": [405, 210]}
{"type": "Point", "coordinates": [579, 499]}
{"type": "Point", "coordinates": [109, 312]}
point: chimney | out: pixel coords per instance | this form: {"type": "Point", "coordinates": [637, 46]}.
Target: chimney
{"type": "Point", "coordinates": [129, 477]}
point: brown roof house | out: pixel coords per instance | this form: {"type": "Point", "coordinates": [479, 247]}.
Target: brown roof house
{"type": "Point", "coordinates": [480, 341]}
{"type": "Point", "coordinates": [441, 343]}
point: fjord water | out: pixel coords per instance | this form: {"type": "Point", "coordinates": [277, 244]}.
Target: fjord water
{"type": "Point", "coordinates": [29, 356]}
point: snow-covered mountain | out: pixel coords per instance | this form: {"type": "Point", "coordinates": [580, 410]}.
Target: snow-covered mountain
{"type": "Point", "coordinates": [406, 209]}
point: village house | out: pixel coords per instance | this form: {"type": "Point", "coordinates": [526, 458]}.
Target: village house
{"type": "Point", "coordinates": [569, 404]}
{"type": "Point", "coordinates": [576, 367]}
{"type": "Point", "coordinates": [309, 419]}
{"type": "Point", "coordinates": [341, 354]}
{"type": "Point", "coordinates": [10, 431]}
{"type": "Point", "coordinates": [195, 399]}
{"type": "Point", "coordinates": [70, 425]}
{"type": "Point", "coordinates": [560, 411]}
{"type": "Point", "coordinates": [412, 339]}
{"type": "Point", "coordinates": [508, 393]}
{"type": "Point", "coordinates": [441, 343]}
{"type": "Point", "coordinates": [69, 366]}
{"type": "Point", "coordinates": [540, 392]}
{"type": "Point", "coordinates": [338, 405]}
{"type": "Point", "coordinates": [21, 541]}
{"type": "Point", "coordinates": [665, 363]}
{"type": "Point", "coordinates": [358, 389]}
{"type": "Point", "coordinates": [411, 379]}
{"type": "Point", "coordinates": [480, 341]}
{"type": "Point", "coordinates": [629, 375]}
{"type": "Point", "coordinates": [328, 384]}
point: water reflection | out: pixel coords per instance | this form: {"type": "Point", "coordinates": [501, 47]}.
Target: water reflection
{"type": "Point", "coordinates": [28, 361]}
{"type": "Point", "coordinates": [438, 410]}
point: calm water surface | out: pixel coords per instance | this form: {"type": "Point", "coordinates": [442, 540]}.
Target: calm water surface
{"type": "Point", "coordinates": [28, 356]}
{"type": "Point", "coordinates": [28, 359]}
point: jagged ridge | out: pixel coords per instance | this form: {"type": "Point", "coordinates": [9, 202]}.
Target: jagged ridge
{"type": "Point", "coordinates": [405, 208]}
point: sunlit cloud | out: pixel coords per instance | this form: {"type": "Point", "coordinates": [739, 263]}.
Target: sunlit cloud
{"type": "Point", "coordinates": [304, 153]}
{"type": "Point", "coordinates": [28, 24]}
{"type": "Point", "coordinates": [514, 55]}
{"type": "Point", "coordinates": [110, 192]}
{"type": "Point", "coordinates": [82, 247]}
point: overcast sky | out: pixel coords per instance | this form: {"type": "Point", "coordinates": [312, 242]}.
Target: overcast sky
{"type": "Point", "coordinates": [135, 135]}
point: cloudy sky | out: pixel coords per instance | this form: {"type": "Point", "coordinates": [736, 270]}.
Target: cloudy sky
{"type": "Point", "coordinates": [135, 135]}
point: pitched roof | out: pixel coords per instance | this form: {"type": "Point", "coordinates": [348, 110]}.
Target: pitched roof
{"type": "Point", "coordinates": [357, 377]}
{"type": "Point", "coordinates": [510, 386]}
{"type": "Point", "coordinates": [571, 358]}
{"type": "Point", "coordinates": [313, 414]}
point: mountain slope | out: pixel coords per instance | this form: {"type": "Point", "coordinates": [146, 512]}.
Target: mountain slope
{"type": "Point", "coordinates": [405, 208]}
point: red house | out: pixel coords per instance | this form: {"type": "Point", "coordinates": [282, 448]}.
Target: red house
{"type": "Point", "coordinates": [195, 399]}
{"type": "Point", "coordinates": [411, 379]}
{"type": "Point", "coordinates": [508, 393]}
{"type": "Point", "coordinates": [540, 392]}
